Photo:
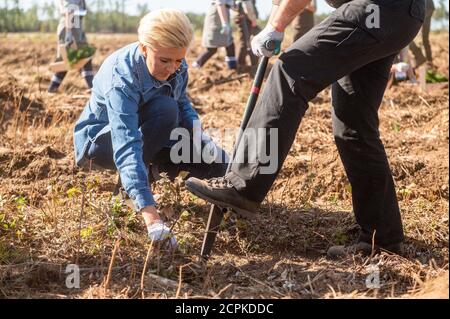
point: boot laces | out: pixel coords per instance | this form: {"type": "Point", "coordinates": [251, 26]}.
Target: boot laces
{"type": "Point", "coordinates": [220, 182]}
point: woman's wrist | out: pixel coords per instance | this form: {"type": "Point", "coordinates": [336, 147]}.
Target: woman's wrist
{"type": "Point", "coordinates": [150, 215]}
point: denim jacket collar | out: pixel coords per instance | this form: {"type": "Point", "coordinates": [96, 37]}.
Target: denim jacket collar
{"type": "Point", "coordinates": [147, 81]}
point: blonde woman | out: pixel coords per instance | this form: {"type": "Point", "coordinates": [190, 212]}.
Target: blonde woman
{"type": "Point", "coordinates": [138, 98]}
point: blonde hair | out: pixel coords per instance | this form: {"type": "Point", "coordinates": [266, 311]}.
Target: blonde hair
{"type": "Point", "coordinates": [168, 28]}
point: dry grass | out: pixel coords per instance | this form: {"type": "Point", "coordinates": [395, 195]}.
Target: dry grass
{"type": "Point", "coordinates": [53, 214]}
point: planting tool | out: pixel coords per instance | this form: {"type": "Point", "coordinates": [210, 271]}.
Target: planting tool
{"type": "Point", "coordinates": [216, 213]}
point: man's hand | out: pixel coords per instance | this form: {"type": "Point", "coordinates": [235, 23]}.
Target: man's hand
{"type": "Point", "coordinates": [267, 34]}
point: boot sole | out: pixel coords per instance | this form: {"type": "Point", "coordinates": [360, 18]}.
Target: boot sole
{"type": "Point", "coordinates": [241, 212]}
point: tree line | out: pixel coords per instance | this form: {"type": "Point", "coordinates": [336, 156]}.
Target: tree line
{"type": "Point", "coordinates": [110, 16]}
{"type": "Point", "coordinates": [103, 16]}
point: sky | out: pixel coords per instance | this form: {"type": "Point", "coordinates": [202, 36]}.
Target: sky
{"type": "Point", "coordinates": [196, 6]}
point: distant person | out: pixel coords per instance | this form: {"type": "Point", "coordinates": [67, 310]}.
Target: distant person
{"type": "Point", "coordinates": [70, 30]}
{"type": "Point", "coordinates": [217, 33]}
{"type": "Point", "coordinates": [138, 98]}
{"type": "Point", "coordinates": [305, 20]}
{"type": "Point", "coordinates": [419, 57]}
{"type": "Point", "coordinates": [402, 69]}
{"type": "Point", "coordinates": [247, 22]}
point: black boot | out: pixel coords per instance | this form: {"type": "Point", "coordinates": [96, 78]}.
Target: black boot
{"type": "Point", "coordinates": [221, 192]}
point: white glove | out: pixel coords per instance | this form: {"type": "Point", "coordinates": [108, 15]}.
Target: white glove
{"type": "Point", "coordinates": [226, 29]}
{"type": "Point", "coordinates": [267, 34]}
{"type": "Point", "coordinates": [159, 231]}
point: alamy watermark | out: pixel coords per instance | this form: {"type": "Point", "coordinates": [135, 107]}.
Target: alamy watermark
{"type": "Point", "coordinates": [373, 279]}
{"type": "Point", "coordinates": [373, 18]}
{"type": "Point", "coordinates": [258, 146]}
{"type": "Point", "coordinates": [73, 276]}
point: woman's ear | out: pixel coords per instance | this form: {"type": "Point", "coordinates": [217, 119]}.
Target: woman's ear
{"type": "Point", "coordinates": [143, 50]}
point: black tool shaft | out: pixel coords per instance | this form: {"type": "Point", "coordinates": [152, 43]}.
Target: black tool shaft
{"type": "Point", "coordinates": [251, 102]}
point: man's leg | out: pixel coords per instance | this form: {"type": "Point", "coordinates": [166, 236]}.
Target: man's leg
{"type": "Point", "coordinates": [330, 51]}
{"type": "Point", "coordinates": [303, 23]}
{"type": "Point", "coordinates": [242, 42]}
{"type": "Point", "coordinates": [338, 46]}
{"type": "Point", "coordinates": [297, 26]}
{"type": "Point", "coordinates": [204, 57]}
{"type": "Point", "coordinates": [356, 101]}
{"type": "Point", "coordinates": [426, 37]}
{"type": "Point", "coordinates": [419, 58]}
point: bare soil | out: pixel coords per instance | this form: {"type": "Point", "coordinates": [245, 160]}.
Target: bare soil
{"type": "Point", "coordinates": [53, 214]}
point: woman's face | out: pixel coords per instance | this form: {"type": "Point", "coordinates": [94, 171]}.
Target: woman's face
{"type": "Point", "coordinates": [163, 62]}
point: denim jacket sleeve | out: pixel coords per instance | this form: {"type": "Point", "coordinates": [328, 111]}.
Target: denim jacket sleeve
{"type": "Point", "coordinates": [187, 112]}
{"type": "Point", "coordinates": [122, 108]}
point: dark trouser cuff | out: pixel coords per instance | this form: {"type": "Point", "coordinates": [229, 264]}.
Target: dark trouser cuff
{"type": "Point", "coordinates": [237, 182]}
{"type": "Point", "coordinates": [240, 185]}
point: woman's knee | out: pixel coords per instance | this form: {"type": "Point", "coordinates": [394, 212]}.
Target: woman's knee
{"type": "Point", "coordinates": [100, 152]}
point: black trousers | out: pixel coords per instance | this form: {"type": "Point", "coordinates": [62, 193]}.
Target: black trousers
{"type": "Point", "coordinates": [345, 52]}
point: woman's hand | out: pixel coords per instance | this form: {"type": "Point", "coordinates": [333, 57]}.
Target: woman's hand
{"type": "Point", "coordinates": [157, 230]}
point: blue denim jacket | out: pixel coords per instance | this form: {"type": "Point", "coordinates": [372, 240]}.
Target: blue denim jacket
{"type": "Point", "coordinates": [122, 85]}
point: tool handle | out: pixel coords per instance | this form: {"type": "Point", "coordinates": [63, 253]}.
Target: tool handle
{"type": "Point", "coordinates": [257, 83]}
{"type": "Point", "coordinates": [271, 45]}
{"type": "Point", "coordinates": [251, 102]}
